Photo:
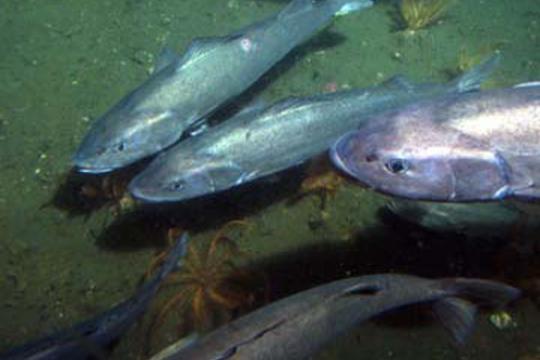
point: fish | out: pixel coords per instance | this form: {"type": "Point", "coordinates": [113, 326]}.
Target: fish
{"type": "Point", "coordinates": [482, 219]}
{"type": "Point", "coordinates": [91, 337]}
{"type": "Point", "coordinates": [299, 326]}
{"type": "Point", "coordinates": [478, 146]}
{"type": "Point", "coordinates": [263, 140]}
{"type": "Point", "coordinates": [184, 90]}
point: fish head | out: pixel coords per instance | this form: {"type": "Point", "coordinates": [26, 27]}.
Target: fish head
{"type": "Point", "coordinates": [120, 138]}
{"type": "Point", "coordinates": [173, 177]}
{"type": "Point", "coordinates": [422, 161]}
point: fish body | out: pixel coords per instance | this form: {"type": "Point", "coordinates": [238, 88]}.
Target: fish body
{"type": "Point", "coordinates": [298, 326]}
{"type": "Point", "coordinates": [465, 147]}
{"type": "Point", "coordinates": [264, 140]}
{"type": "Point", "coordinates": [89, 338]}
{"type": "Point", "coordinates": [484, 219]}
{"type": "Point", "coordinates": [184, 90]}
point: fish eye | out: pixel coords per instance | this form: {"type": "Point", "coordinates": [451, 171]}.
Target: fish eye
{"type": "Point", "coordinates": [120, 147]}
{"type": "Point", "coordinates": [397, 166]}
{"type": "Point", "coordinates": [177, 185]}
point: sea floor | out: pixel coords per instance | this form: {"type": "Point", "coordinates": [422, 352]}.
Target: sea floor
{"type": "Point", "coordinates": [70, 249]}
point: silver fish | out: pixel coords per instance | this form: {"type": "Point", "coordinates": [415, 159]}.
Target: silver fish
{"type": "Point", "coordinates": [298, 326]}
{"type": "Point", "coordinates": [462, 147]}
{"type": "Point", "coordinates": [184, 90]}
{"type": "Point", "coordinates": [263, 141]}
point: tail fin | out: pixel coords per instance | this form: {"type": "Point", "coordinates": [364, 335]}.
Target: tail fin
{"type": "Point", "coordinates": [483, 292]}
{"type": "Point", "coordinates": [472, 79]}
{"type": "Point", "coordinates": [458, 315]}
{"type": "Point", "coordinates": [337, 7]}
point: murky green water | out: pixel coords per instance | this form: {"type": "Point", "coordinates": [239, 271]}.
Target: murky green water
{"type": "Point", "coordinates": [69, 252]}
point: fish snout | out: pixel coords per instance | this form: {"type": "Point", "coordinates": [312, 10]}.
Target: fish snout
{"type": "Point", "coordinates": [86, 162]}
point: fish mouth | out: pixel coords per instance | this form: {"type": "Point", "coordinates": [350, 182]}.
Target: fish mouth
{"type": "Point", "coordinates": [91, 170]}
{"type": "Point", "coordinates": [140, 194]}
{"type": "Point", "coordinates": [84, 166]}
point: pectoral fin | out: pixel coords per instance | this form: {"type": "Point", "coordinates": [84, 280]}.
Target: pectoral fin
{"type": "Point", "coordinates": [225, 173]}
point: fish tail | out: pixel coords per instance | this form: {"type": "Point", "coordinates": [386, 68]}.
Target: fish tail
{"type": "Point", "coordinates": [483, 292]}
{"type": "Point", "coordinates": [176, 254]}
{"type": "Point", "coordinates": [473, 79]}
{"type": "Point", "coordinates": [336, 7]}
{"type": "Point", "coordinates": [457, 313]}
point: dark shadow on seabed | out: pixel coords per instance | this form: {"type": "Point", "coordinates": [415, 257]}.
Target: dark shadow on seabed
{"type": "Point", "coordinates": [400, 247]}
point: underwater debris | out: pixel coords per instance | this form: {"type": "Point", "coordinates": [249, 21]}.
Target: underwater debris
{"type": "Point", "coordinates": [502, 320]}
{"type": "Point", "coordinates": [323, 185]}
{"type": "Point", "coordinates": [82, 194]}
{"type": "Point", "coordinates": [112, 191]}
{"type": "Point", "coordinates": [322, 180]}
{"type": "Point", "coordinates": [212, 287]}
{"type": "Point", "coordinates": [417, 14]}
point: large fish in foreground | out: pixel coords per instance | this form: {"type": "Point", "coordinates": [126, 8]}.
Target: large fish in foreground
{"type": "Point", "coordinates": [89, 339]}
{"type": "Point", "coordinates": [298, 326]}
{"type": "Point", "coordinates": [462, 147]}
{"type": "Point", "coordinates": [262, 141]}
{"type": "Point", "coordinates": [184, 90]}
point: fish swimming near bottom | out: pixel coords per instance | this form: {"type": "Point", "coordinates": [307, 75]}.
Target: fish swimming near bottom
{"type": "Point", "coordinates": [465, 147]}
{"type": "Point", "coordinates": [483, 219]}
{"type": "Point", "coordinates": [300, 325]}
{"type": "Point", "coordinates": [184, 90]}
{"type": "Point", "coordinates": [263, 141]}
{"type": "Point", "coordinates": [89, 338]}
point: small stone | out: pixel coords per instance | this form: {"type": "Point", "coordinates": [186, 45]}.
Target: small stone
{"type": "Point", "coordinates": [502, 320]}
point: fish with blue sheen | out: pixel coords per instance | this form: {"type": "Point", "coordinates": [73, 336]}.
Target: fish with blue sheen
{"type": "Point", "coordinates": [263, 140]}
{"type": "Point", "coordinates": [480, 146]}
{"type": "Point", "coordinates": [89, 339]}
{"type": "Point", "coordinates": [184, 90]}
{"type": "Point", "coordinates": [300, 325]}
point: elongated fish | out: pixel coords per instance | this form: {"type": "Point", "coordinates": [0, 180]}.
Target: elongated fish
{"type": "Point", "coordinates": [484, 219]}
{"type": "Point", "coordinates": [184, 90]}
{"type": "Point", "coordinates": [263, 141]}
{"type": "Point", "coordinates": [298, 326]}
{"type": "Point", "coordinates": [462, 147]}
{"type": "Point", "coordinates": [91, 337]}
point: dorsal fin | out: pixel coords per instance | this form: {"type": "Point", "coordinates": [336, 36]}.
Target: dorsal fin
{"type": "Point", "coordinates": [199, 46]}
{"type": "Point", "coordinates": [399, 82]}
{"type": "Point", "coordinates": [166, 57]}
{"type": "Point", "coordinates": [296, 6]}
{"type": "Point", "coordinates": [361, 289]}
